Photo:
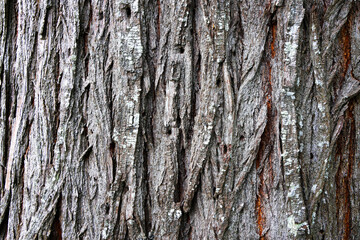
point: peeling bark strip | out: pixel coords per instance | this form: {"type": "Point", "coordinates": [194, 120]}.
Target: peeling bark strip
{"type": "Point", "coordinates": [163, 119]}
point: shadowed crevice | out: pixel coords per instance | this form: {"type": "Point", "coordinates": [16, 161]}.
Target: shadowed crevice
{"type": "Point", "coordinates": [345, 154]}
{"type": "Point", "coordinates": [56, 231]}
{"type": "Point", "coordinates": [263, 160]}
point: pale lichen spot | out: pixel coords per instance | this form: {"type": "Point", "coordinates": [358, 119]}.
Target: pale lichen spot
{"type": "Point", "coordinates": [313, 188]}
{"type": "Point", "coordinates": [293, 226]}
{"type": "Point", "coordinates": [178, 214]}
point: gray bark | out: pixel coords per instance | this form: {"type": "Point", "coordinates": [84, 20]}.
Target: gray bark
{"type": "Point", "coordinates": [160, 119]}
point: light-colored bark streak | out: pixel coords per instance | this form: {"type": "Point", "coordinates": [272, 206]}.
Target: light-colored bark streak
{"type": "Point", "coordinates": [209, 95]}
{"type": "Point", "coordinates": [66, 152]}
{"type": "Point", "coordinates": [39, 152]}
{"type": "Point", "coordinates": [323, 136]}
{"type": "Point", "coordinates": [297, 223]}
{"type": "Point", "coordinates": [127, 53]}
{"type": "Point", "coordinates": [49, 177]}
{"type": "Point", "coordinates": [3, 36]}
{"type": "Point", "coordinates": [172, 73]}
{"type": "Point", "coordinates": [21, 125]}
{"type": "Point", "coordinates": [229, 100]}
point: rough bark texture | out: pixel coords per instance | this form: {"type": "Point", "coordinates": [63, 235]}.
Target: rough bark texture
{"type": "Point", "coordinates": [186, 119]}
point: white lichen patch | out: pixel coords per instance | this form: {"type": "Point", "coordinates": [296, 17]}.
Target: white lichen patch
{"type": "Point", "coordinates": [318, 83]}
{"type": "Point", "coordinates": [322, 144]}
{"type": "Point", "coordinates": [313, 188]}
{"type": "Point", "coordinates": [171, 212]}
{"type": "Point", "coordinates": [174, 214]}
{"type": "Point", "coordinates": [293, 190]}
{"type": "Point", "coordinates": [178, 214]}
{"type": "Point", "coordinates": [290, 51]}
{"type": "Point", "coordinates": [293, 226]}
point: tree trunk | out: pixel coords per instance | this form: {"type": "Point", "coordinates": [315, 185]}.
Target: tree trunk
{"type": "Point", "coordinates": [162, 119]}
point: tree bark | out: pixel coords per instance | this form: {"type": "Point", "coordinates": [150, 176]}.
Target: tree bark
{"type": "Point", "coordinates": [161, 119]}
